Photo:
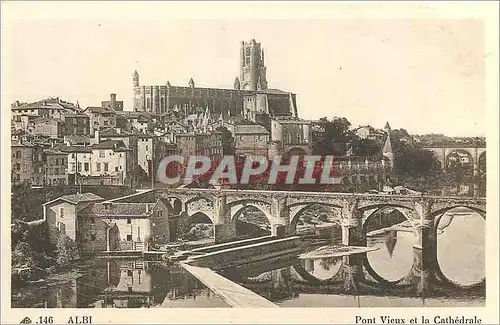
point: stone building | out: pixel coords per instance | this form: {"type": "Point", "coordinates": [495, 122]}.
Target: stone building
{"type": "Point", "coordinates": [291, 135]}
{"type": "Point", "coordinates": [151, 150]}
{"type": "Point", "coordinates": [61, 214]}
{"type": "Point", "coordinates": [109, 164]}
{"type": "Point", "coordinates": [251, 140]}
{"type": "Point", "coordinates": [112, 103]}
{"type": "Point", "coordinates": [76, 124]}
{"type": "Point", "coordinates": [250, 97]}
{"type": "Point", "coordinates": [130, 139]}
{"type": "Point", "coordinates": [50, 127]}
{"type": "Point", "coordinates": [208, 144]}
{"type": "Point", "coordinates": [56, 167]}
{"type": "Point", "coordinates": [50, 107]}
{"type": "Point", "coordinates": [79, 161]}
{"type": "Point", "coordinates": [26, 163]}
{"type": "Point", "coordinates": [100, 118]}
{"type": "Point", "coordinates": [111, 226]}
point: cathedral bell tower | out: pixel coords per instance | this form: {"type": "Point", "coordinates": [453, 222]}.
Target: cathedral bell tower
{"type": "Point", "coordinates": [252, 68]}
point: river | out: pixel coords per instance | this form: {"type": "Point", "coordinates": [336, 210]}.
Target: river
{"type": "Point", "coordinates": [290, 282]}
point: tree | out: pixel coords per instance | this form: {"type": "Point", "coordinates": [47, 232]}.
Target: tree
{"type": "Point", "coordinates": [227, 141]}
{"type": "Point", "coordinates": [366, 147]}
{"type": "Point", "coordinates": [22, 262]}
{"type": "Point", "coordinates": [19, 201]}
{"type": "Point", "coordinates": [66, 251]}
{"type": "Point", "coordinates": [337, 134]}
{"type": "Point", "coordinates": [409, 159]}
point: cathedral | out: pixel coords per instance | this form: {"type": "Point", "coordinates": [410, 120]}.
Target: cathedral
{"type": "Point", "coordinates": [249, 99]}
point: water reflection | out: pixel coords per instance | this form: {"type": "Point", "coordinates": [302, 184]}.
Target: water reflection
{"type": "Point", "coordinates": [460, 246]}
{"type": "Point", "coordinates": [120, 284]}
{"type": "Point", "coordinates": [394, 258]}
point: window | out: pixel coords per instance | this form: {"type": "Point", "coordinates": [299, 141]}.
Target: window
{"type": "Point", "coordinates": [61, 212]}
{"type": "Point", "coordinates": [129, 272]}
{"type": "Point", "coordinates": [79, 167]}
{"type": "Point", "coordinates": [18, 166]}
{"type": "Point", "coordinates": [129, 221]}
{"type": "Point", "coordinates": [101, 154]}
{"type": "Point", "coordinates": [106, 166]}
{"type": "Point", "coordinates": [18, 177]}
{"type": "Point", "coordinates": [92, 237]}
{"type": "Point", "coordinates": [146, 147]}
{"type": "Point", "coordinates": [129, 237]}
{"type": "Point", "coordinates": [98, 167]}
{"type": "Point", "coordinates": [116, 169]}
{"type": "Point", "coordinates": [92, 220]}
{"type": "Point", "coordinates": [72, 167]}
{"type": "Point", "coordinates": [18, 154]}
{"type": "Point", "coordinates": [56, 171]}
{"type": "Point", "coordinates": [86, 166]}
{"type": "Point", "coordinates": [73, 155]}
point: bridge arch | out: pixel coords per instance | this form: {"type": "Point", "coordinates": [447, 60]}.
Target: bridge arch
{"type": "Point", "coordinates": [481, 162]}
{"type": "Point", "coordinates": [295, 151]}
{"type": "Point", "coordinates": [297, 209]}
{"type": "Point", "coordinates": [391, 239]}
{"type": "Point", "coordinates": [237, 207]}
{"type": "Point", "coordinates": [459, 157]}
{"type": "Point", "coordinates": [200, 204]}
{"type": "Point", "coordinates": [438, 214]}
{"type": "Point", "coordinates": [443, 264]}
{"type": "Point", "coordinates": [371, 210]}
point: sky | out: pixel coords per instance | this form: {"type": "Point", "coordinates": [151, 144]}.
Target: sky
{"type": "Point", "coordinates": [425, 75]}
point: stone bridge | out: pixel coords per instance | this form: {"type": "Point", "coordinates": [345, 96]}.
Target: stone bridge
{"type": "Point", "coordinates": [283, 210]}
{"type": "Point", "coordinates": [474, 153]}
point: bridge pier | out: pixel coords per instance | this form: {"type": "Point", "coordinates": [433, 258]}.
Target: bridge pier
{"type": "Point", "coordinates": [423, 272]}
{"type": "Point", "coordinates": [280, 211]}
{"type": "Point", "coordinates": [353, 272]}
{"type": "Point", "coordinates": [352, 232]}
{"type": "Point", "coordinates": [224, 228]}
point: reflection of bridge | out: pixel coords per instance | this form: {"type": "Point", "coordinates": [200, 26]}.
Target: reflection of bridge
{"type": "Point", "coordinates": [283, 210]}
{"type": "Point", "coordinates": [473, 153]}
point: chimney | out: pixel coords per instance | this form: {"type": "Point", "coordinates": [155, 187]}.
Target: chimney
{"type": "Point", "coordinates": [17, 103]}
{"type": "Point", "coordinates": [97, 136]}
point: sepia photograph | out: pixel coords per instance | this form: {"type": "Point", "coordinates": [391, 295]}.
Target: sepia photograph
{"type": "Point", "coordinates": [165, 157]}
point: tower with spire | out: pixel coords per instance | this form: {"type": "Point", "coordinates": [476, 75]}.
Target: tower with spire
{"type": "Point", "coordinates": [387, 149]}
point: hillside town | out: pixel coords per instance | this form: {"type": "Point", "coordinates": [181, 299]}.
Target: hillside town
{"type": "Point", "coordinates": [83, 176]}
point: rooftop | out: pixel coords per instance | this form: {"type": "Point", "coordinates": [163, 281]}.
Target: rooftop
{"type": "Point", "coordinates": [106, 209]}
{"type": "Point", "coordinates": [78, 198]}
{"type": "Point", "coordinates": [98, 109]}
{"type": "Point", "coordinates": [70, 149]}
{"type": "Point", "coordinates": [250, 129]}
{"type": "Point", "coordinates": [116, 145]}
